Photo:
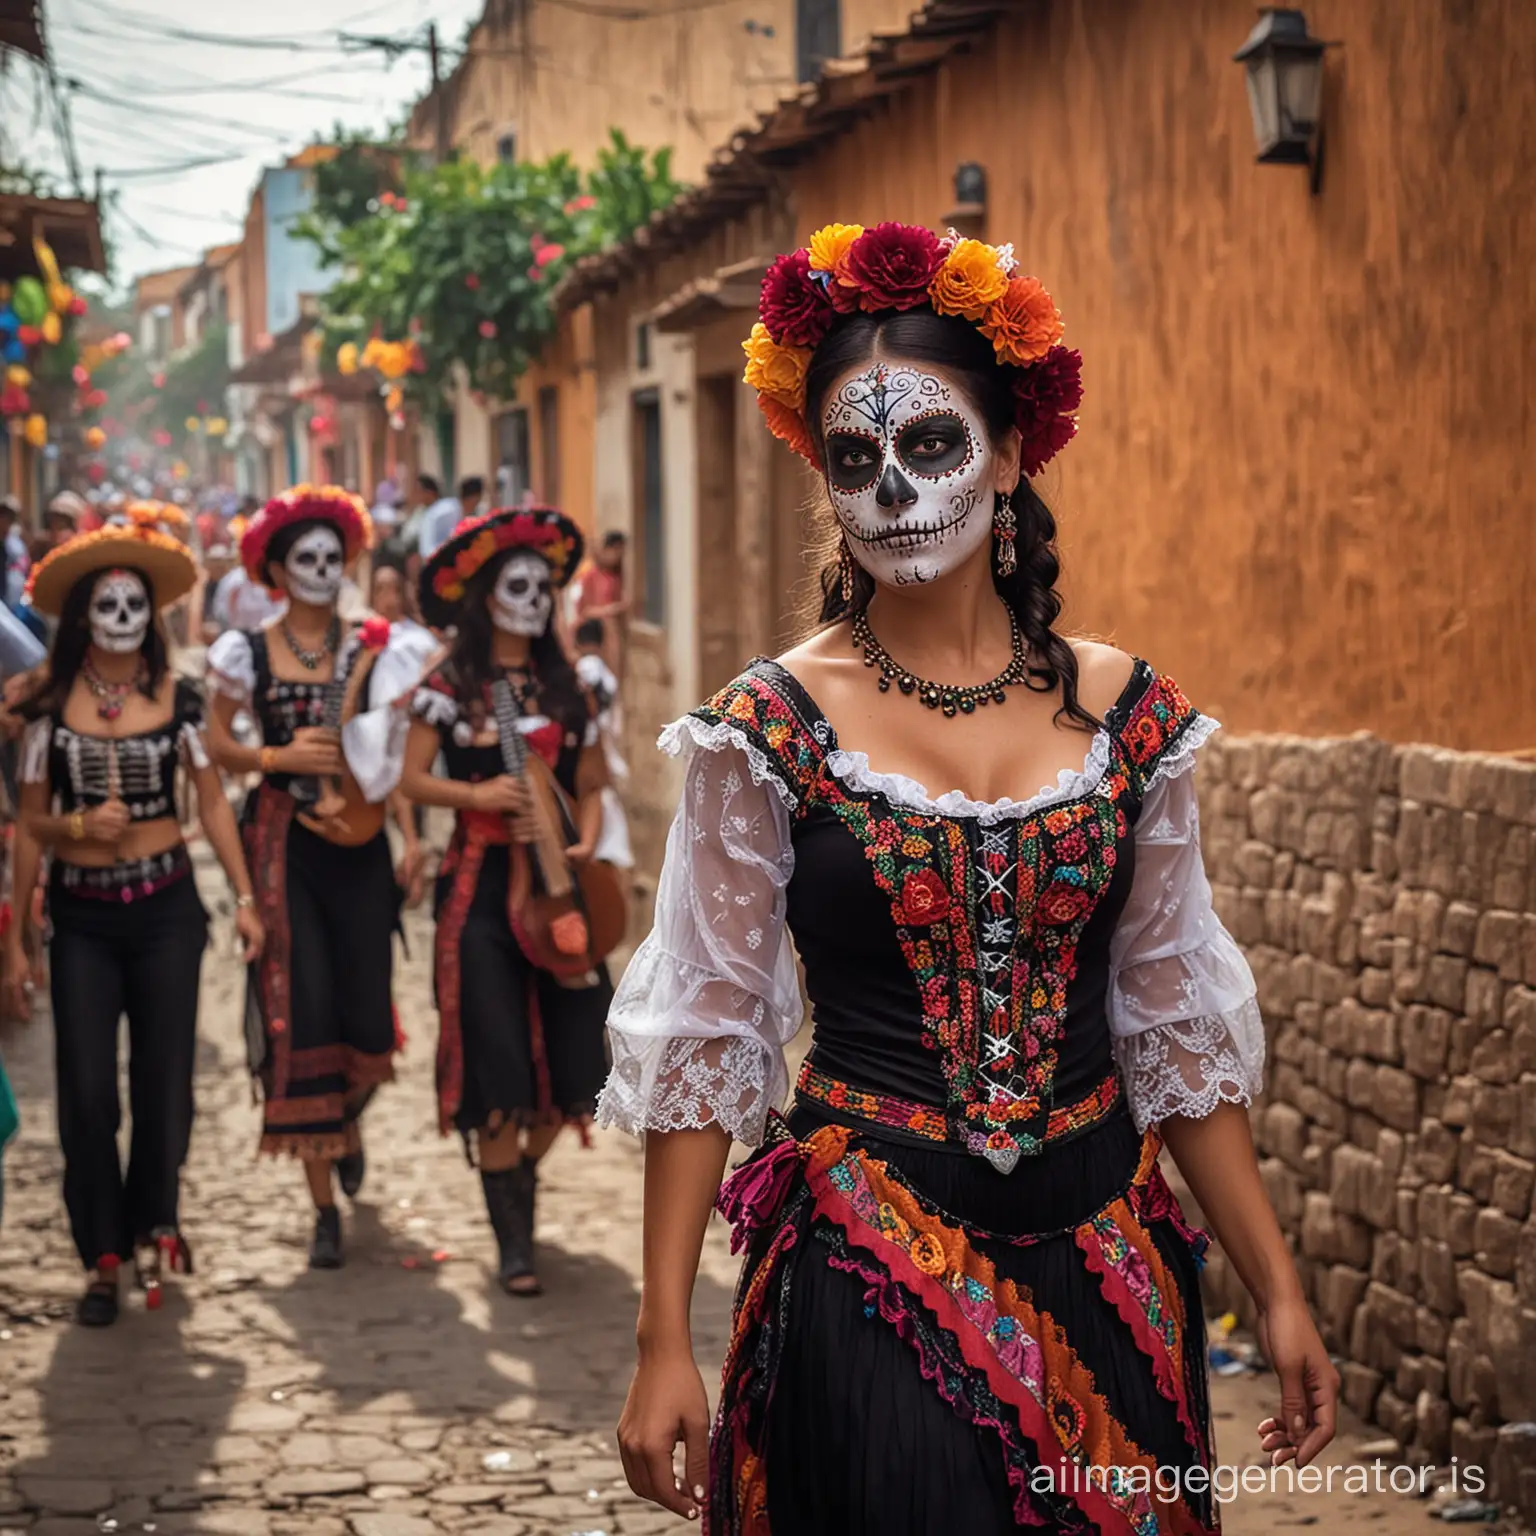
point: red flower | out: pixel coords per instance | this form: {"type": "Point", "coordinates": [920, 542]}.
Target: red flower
{"type": "Point", "coordinates": [794, 306]}
{"type": "Point", "coordinates": [892, 265]}
{"type": "Point", "coordinates": [472, 281]}
{"type": "Point", "coordinates": [1064, 903]}
{"type": "Point", "coordinates": [488, 329]}
{"type": "Point", "coordinates": [548, 253]}
{"type": "Point", "coordinates": [1043, 442]}
{"type": "Point", "coordinates": [581, 204]}
{"type": "Point", "coordinates": [1051, 387]}
{"type": "Point", "coordinates": [924, 898]}
{"type": "Point", "coordinates": [374, 633]}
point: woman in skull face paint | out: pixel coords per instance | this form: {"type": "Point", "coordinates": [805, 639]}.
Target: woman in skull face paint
{"type": "Point", "coordinates": [110, 727]}
{"type": "Point", "coordinates": [969, 1292]}
{"type": "Point", "coordinates": [519, 1054]}
{"type": "Point", "coordinates": [320, 1015]}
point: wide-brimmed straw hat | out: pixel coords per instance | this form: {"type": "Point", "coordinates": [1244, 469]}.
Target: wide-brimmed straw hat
{"type": "Point", "coordinates": [478, 540]}
{"type": "Point", "coordinates": [164, 560]}
{"type": "Point", "coordinates": [346, 513]}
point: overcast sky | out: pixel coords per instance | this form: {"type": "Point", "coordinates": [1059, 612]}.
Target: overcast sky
{"type": "Point", "coordinates": [257, 81]}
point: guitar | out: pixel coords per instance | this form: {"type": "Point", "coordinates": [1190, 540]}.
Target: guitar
{"type": "Point", "coordinates": [568, 917]}
{"type": "Point", "coordinates": [334, 806]}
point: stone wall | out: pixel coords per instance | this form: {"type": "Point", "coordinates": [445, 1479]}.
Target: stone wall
{"type": "Point", "coordinates": [1386, 897]}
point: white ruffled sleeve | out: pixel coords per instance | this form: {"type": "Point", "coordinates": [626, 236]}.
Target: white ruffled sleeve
{"type": "Point", "coordinates": [711, 999]}
{"type": "Point", "coordinates": [1182, 1001]}
{"type": "Point", "coordinates": [373, 740]}
{"type": "Point", "coordinates": [231, 666]}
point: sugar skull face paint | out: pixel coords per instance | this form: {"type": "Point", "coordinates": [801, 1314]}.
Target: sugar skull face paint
{"type": "Point", "coordinates": [910, 471]}
{"type": "Point", "coordinates": [314, 566]}
{"type": "Point", "coordinates": [119, 613]}
{"type": "Point", "coordinates": [523, 597]}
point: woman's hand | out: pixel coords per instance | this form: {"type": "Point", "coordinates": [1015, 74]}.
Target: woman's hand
{"type": "Point", "coordinates": [667, 1405]}
{"type": "Point", "coordinates": [409, 871]}
{"type": "Point", "coordinates": [105, 823]}
{"type": "Point", "coordinates": [16, 989]}
{"type": "Point", "coordinates": [252, 932]}
{"type": "Point", "coordinates": [581, 853]}
{"type": "Point", "coordinates": [503, 793]}
{"type": "Point", "coordinates": [314, 751]}
{"type": "Point", "coordinates": [1309, 1385]}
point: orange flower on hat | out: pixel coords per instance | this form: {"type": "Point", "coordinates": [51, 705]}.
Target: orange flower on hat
{"type": "Point", "coordinates": [830, 244]}
{"type": "Point", "coordinates": [970, 282]}
{"type": "Point", "coordinates": [774, 370]}
{"type": "Point", "coordinates": [1023, 325]}
{"type": "Point", "coordinates": [789, 427]}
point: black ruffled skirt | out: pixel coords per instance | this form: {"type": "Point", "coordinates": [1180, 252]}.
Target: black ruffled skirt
{"type": "Point", "coordinates": [925, 1345]}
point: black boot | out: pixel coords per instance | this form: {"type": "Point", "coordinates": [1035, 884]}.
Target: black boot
{"type": "Point", "coordinates": [98, 1307]}
{"type": "Point", "coordinates": [350, 1170]}
{"type": "Point", "coordinates": [325, 1248]}
{"type": "Point", "coordinates": [509, 1201]}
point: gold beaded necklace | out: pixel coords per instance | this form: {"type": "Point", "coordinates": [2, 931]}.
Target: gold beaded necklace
{"type": "Point", "coordinates": [949, 699]}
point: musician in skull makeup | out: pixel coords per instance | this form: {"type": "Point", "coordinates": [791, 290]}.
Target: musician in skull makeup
{"type": "Point", "coordinates": [320, 1017]}
{"type": "Point", "coordinates": [521, 1047]}
{"type": "Point", "coordinates": [110, 727]}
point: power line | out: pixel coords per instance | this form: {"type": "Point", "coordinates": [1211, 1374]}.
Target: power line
{"type": "Point", "coordinates": [263, 130]}
{"type": "Point", "coordinates": [190, 214]}
{"type": "Point", "coordinates": [144, 172]}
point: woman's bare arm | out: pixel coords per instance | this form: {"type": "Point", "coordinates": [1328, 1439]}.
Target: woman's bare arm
{"type": "Point", "coordinates": [419, 783]}
{"type": "Point", "coordinates": [228, 753]}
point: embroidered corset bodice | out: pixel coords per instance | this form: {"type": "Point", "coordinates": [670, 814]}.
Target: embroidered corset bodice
{"type": "Point", "coordinates": [86, 769]}
{"type": "Point", "coordinates": [282, 708]}
{"type": "Point", "coordinates": [960, 961]}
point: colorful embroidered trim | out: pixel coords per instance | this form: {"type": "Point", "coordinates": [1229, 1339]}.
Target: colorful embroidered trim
{"type": "Point", "coordinates": [983, 1341]}
{"type": "Point", "coordinates": [929, 1123]}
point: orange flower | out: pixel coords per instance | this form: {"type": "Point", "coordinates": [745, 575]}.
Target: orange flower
{"type": "Point", "coordinates": [830, 244]}
{"type": "Point", "coordinates": [970, 281]}
{"type": "Point", "coordinates": [789, 427]}
{"type": "Point", "coordinates": [1023, 325]}
{"type": "Point", "coordinates": [774, 370]}
{"type": "Point", "coordinates": [927, 1254]}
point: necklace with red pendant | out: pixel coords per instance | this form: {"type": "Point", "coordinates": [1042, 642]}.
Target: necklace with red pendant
{"type": "Point", "coordinates": [110, 697]}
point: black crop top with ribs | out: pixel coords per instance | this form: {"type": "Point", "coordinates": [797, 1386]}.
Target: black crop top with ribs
{"type": "Point", "coordinates": [84, 770]}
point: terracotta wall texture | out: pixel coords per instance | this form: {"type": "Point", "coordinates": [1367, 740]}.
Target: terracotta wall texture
{"type": "Point", "coordinates": [1303, 482]}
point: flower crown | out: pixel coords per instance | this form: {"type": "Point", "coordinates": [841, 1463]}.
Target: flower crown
{"type": "Point", "coordinates": [343, 510]}
{"type": "Point", "coordinates": [847, 268]}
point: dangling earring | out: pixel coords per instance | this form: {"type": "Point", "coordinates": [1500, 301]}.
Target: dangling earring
{"type": "Point", "coordinates": [845, 570]}
{"type": "Point", "coordinates": [1004, 526]}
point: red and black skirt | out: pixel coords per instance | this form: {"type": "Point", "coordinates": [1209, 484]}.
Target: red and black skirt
{"type": "Point", "coordinates": [923, 1344]}
{"type": "Point", "coordinates": [514, 1044]}
{"type": "Point", "coordinates": [320, 1019]}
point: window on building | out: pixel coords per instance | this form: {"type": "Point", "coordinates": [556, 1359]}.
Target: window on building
{"type": "Point", "coordinates": [643, 346]}
{"type": "Point", "coordinates": [818, 36]}
{"type": "Point", "coordinates": [549, 444]}
{"type": "Point", "coordinates": [506, 146]}
{"type": "Point", "coordinates": [512, 477]}
{"type": "Point", "coordinates": [651, 564]}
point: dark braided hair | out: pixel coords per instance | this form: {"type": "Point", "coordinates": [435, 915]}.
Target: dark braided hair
{"type": "Point", "coordinates": [922, 336]}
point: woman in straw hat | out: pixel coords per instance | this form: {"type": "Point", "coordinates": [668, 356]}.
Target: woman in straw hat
{"type": "Point", "coordinates": [110, 726]}
{"type": "Point", "coordinates": [520, 1049]}
{"type": "Point", "coordinates": [320, 1018]}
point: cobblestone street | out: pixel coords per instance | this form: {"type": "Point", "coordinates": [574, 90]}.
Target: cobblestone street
{"type": "Point", "coordinates": [401, 1397]}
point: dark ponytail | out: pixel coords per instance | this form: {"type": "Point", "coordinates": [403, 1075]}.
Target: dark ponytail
{"type": "Point", "coordinates": [921, 336]}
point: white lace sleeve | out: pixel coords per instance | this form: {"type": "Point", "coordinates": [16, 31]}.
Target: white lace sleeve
{"type": "Point", "coordinates": [1182, 1000]}
{"type": "Point", "coordinates": [701, 1019]}
{"type": "Point", "coordinates": [231, 667]}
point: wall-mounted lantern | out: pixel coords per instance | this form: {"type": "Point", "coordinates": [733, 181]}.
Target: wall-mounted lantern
{"type": "Point", "coordinates": [1284, 66]}
{"type": "Point", "coordinates": [969, 215]}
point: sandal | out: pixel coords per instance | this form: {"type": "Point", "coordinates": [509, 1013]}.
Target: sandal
{"type": "Point", "coordinates": [98, 1307]}
{"type": "Point", "coordinates": [166, 1251]}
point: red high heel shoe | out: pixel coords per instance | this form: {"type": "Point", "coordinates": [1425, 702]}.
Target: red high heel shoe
{"type": "Point", "coordinates": [166, 1252]}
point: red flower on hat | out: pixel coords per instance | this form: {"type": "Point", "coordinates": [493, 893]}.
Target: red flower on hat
{"type": "Point", "coordinates": [892, 265]}
{"type": "Point", "coordinates": [795, 307]}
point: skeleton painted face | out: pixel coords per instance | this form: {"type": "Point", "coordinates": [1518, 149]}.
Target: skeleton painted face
{"type": "Point", "coordinates": [119, 613]}
{"type": "Point", "coordinates": [523, 597]}
{"type": "Point", "coordinates": [314, 566]}
{"type": "Point", "coordinates": [910, 471]}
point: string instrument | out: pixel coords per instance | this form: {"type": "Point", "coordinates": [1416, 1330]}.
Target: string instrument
{"type": "Point", "coordinates": [567, 916]}
{"type": "Point", "coordinates": [334, 806]}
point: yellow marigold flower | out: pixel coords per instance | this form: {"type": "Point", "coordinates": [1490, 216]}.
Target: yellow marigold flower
{"type": "Point", "coordinates": [916, 847]}
{"type": "Point", "coordinates": [970, 281]}
{"type": "Point", "coordinates": [830, 244]}
{"type": "Point", "coordinates": [776, 371]}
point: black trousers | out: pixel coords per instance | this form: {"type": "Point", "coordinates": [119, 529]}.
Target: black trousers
{"type": "Point", "coordinates": [107, 958]}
